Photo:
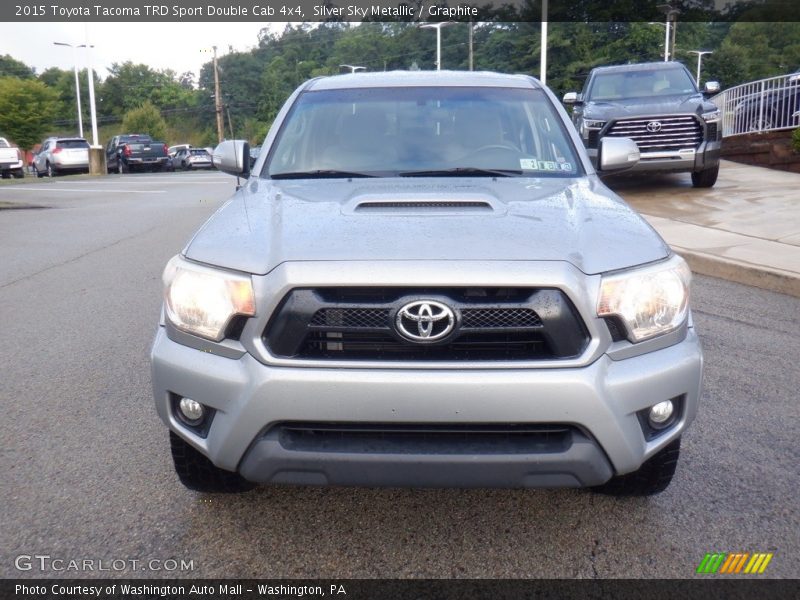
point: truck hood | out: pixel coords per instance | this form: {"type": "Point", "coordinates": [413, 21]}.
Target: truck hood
{"type": "Point", "coordinates": [580, 221]}
{"type": "Point", "coordinates": [634, 107]}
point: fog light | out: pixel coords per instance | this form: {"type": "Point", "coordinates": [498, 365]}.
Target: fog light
{"type": "Point", "coordinates": [192, 411]}
{"type": "Point", "coordinates": [660, 414]}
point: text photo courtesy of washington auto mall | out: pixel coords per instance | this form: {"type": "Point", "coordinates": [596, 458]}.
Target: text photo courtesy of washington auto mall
{"type": "Point", "coordinates": [375, 299]}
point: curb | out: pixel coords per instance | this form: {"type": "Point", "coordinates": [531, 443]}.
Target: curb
{"type": "Point", "coordinates": [762, 277]}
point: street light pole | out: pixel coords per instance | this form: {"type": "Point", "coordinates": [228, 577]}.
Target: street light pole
{"type": "Point", "coordinates": [543, 54]}
{"type": "Point", "coordinates": [354, 68]}
{"type": "Point", "coordinates": [438, 28]}
{"type": "Point", "coordinates": [90, 75]}
{"type": "Point", "coordinates": [671, 19]}
{"type": "Point", "coordinates": [700, 54]}
{"type": "Point", "coordinates": [77, 83]}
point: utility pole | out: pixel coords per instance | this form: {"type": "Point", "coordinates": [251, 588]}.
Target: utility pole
{"type": "Point", "coordinates": [218, 99]}
{"type": "Point", "coordinates": [471, 25]}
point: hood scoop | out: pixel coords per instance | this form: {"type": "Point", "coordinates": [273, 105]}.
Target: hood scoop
{"type": "Point", "coordinates": [393, 205]}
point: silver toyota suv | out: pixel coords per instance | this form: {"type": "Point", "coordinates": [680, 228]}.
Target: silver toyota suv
{"type": "Point", "coordinates": [423, 282]}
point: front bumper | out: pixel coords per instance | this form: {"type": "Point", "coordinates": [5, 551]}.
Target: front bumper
{"type": "Point", "coordinates": [600, 400]}
{"type": "Point", "coordinates": [706, 156]}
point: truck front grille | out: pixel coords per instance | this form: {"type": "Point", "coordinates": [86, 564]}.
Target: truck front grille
{"type": "Point", "coordinates": [490, 324]}
{"type": "Point", "coordinates": [671, 134]}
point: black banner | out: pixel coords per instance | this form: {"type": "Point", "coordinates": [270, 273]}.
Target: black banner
{"type": "Point", "coordinates": [742, 587]}
{"type": "Point", "coordinates": [394, 10]}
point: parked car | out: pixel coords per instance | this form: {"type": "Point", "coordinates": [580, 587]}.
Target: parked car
{"type": "Point", "coordinates": [134, 151]}
{"type": "Point", "coordinates": [11, 160]}
{"type": "Point", "coordinates": [776, 106]}
{"type": "Point", "coordinates": [173, 150]}
{"type": "Point", "coordinates": [426, 283]}
{"type": "Point", "coordinates": [658, 106]}
{"type": "Point", "coordinates": [61, 155]}
{"type": "Point", "coordinates": [192, 158]}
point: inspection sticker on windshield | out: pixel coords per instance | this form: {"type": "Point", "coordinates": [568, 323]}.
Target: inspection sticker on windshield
{"type": "Point", "coordinates": [531, 164]}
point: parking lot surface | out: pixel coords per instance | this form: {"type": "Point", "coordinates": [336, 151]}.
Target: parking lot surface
{"type": "Point", "coordinates": [87, 474]}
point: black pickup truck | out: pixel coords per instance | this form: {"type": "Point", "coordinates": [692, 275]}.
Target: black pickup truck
{"type": "Point", "coordinates": [135, 152]}
{"type": "Point", "coordinates": [659, 107]}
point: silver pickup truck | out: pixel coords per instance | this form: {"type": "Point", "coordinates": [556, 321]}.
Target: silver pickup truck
{"type": "Point", "coordinates": [11, 160]}
{"type": "Point", "coordinates": [423, 282]}
{"type": "Point", "coordinates": [658, 106]}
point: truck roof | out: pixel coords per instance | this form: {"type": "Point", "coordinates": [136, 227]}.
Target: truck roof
{"type": "Point", "coordinates": [648, 66]}
{"type": "Point", "coordinates": [422, 79]}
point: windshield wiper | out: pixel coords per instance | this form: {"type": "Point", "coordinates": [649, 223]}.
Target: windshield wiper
{"type": "Point", "coordinates": [319, 174]}
{"type": "Point", "coordinates": [462, 172]}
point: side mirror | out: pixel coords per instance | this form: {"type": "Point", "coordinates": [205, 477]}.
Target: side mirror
{"type": "Point", "coordinates": [571, 98]}
{"type": "Point", "coordinates": [614, 154]}
{"type": "Point", "coordinates": [233, 157]}
{"type": "Point", "coordinates": [711, 87]}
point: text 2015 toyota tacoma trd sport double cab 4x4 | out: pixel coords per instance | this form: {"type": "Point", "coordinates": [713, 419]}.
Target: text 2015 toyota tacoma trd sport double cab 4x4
{"type": "Point", "coordinates": [423, 282]}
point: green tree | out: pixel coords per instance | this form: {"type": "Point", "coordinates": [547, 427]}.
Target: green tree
{"type": "Point", "coordinates": [11, 67]}
{"type": "Point", "coordinates": [27, 109]}
{"type": "Point", "coordinates": [145, 119]}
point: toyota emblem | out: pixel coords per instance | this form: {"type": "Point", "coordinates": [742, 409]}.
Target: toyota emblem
{"type": "Point", "coordinates": [425, 321]}
{"type": "Point", "coordinates": [654, 126]}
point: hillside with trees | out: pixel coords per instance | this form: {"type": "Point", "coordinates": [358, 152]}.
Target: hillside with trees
{"type": "Point", "coordinates": [255, 84]}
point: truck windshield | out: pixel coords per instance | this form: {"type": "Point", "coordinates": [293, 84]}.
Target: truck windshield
{"type": "Point", "coordinates": [422, 131]}
{"type": "Point", "coordinates": [641, 84]}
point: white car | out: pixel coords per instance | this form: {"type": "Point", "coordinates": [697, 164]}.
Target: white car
{"type": "Point", "coordinates": [192, 158]}
{"type": "Point", "coordinates": [61, 155]}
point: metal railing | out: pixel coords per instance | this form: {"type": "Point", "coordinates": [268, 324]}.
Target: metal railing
{"type": "Point", "coordinates": [759, 106]}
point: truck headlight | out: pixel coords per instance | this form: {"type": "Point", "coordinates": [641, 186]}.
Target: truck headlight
{"type": "Point", "coordinates": [713, 116]}
{"type": "Point", "coordinates": [587, 124]}
{"type": "Point", "coordinates": [649, 301]}
{"type": "Point", "coordinates": [202, 300]}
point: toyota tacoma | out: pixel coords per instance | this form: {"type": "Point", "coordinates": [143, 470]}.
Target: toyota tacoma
{"type": "Point", "coordinates": [423, 282]}
{"type": "Point", "coordinates": [658, 106]}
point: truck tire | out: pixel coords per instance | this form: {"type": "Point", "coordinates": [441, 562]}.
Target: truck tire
{"type": "Point", "coordinates": [198, 473]}
{"type": "Point", "coordinates": [19, 174]}
{"type": "Point", "coordinates": [652, 477]}
{"type": "Point", "coordinates": [705, 178]}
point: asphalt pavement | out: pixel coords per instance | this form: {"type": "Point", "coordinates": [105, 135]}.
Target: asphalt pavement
{"type": "Point", "coordinates": [87, 474]}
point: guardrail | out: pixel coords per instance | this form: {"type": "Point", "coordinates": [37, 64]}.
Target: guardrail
{"type": "Point", "coordinates": [765, 105]}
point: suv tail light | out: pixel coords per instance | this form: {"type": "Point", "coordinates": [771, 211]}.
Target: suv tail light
{"type": "Point", "coordinates": [57, 149]}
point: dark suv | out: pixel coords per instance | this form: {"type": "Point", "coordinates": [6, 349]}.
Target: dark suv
{"type": "Point", "coordinates": [659, 107]}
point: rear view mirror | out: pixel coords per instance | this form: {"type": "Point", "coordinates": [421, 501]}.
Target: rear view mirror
{"type": "Point", "coordinates": [711, 87]}
{"type": "Point", "coordinates": [571, 98]}
{"type": "Point", "coordinates": [615, 153]}
{"type": "Point", "coordinates": [233, 157]}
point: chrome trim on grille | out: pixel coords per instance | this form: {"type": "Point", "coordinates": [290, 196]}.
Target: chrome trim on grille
{"type": "Point", "coordinates": [676, 133]}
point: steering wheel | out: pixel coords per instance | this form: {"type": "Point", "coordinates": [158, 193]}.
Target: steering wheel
{"type": "Point", "coordinates": [494, 147]}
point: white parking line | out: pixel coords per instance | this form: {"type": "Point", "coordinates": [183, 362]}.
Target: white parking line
{"type": "Point", "coordinates": [30, 188]}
